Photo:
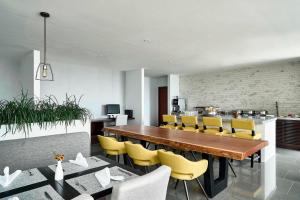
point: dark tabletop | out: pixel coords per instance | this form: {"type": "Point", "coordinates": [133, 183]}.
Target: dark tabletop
{"type": "Point", "coordinates": [62, 187]}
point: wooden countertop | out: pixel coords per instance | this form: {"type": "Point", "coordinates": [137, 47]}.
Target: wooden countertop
{"type": "Point", "coordinates": [229, 147]}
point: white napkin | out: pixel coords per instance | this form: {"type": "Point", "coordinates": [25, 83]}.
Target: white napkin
{"type": "Point", "coordinates": [80, 160]}
{"type": "Point", "coordinates": [14, 198]}
{"type": "Point", "coordinates": [8, 179]}
{"type": "Point", "coordinates": [103, 176]}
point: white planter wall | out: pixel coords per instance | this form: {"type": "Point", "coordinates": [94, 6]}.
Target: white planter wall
{"type": "Point", "coordinates": [37, 131]}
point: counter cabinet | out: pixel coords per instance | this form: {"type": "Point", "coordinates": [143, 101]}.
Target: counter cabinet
{"type": "Point", "coordinates": [288, 134]}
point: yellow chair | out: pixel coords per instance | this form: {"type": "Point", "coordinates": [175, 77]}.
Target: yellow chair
{"type": "Point", "coordinates": [183, 169]}
{"type": "Point", "coordinates": [245, 129]}
{"type": "Point", "coordinates": [111, 146]}
{"type": "Point", "coordinates": [190, 123]}
{"type": "Point", "coordinates": [169, 121]}
{"type": "Point", "coordinates": [214, 126]}
{"type": "Point", "coordinates": [141, 156]}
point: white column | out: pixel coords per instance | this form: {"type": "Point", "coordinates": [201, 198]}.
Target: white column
{"type": "Point", "coordinates": [28, 66]}
{"type": "Point", "coordinates": [134, 94]}
{"type": "Point", "coordinates": [173, 89]}
{"type": "Point", "coordinates": [36, 83]}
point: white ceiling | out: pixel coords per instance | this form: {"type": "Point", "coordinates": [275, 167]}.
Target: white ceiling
{"type": "Point", "coordinates": [163, 36]}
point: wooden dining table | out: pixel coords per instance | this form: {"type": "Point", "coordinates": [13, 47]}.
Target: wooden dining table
{"type": "Point", "coordinates": [209, 145]}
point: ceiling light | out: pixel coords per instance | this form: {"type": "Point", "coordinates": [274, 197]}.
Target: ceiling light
{"type": "Point", "coordinates": [44, 70]}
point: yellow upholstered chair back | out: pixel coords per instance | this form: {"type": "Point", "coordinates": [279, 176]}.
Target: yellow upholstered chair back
{"type": "Point", "coordinates": [177, 162]}
{"type": "Point", "coordinates": [190, 123]}
{"type": "Point", "coordinates": [169, 119]}
{"type": "Point", "coordinates": [140, 155]}
{"type": "Point", "coordinates": [189, 120]}
{"type": "Point", "coordinates": [245, 124]}
{"type": "Point", "coordinates": [111, 145]}
{"type": "Point", "coordinates": [212, 121]}
{"type": "Point", "coordinates": [181, 167]}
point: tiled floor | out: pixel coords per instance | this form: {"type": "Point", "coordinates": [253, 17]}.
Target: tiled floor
{"type": "Point", "coordinates": [250, 183]}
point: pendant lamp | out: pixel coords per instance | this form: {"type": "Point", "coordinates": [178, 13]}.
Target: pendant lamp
{"type": "Point", "coordinates": [44, 71]}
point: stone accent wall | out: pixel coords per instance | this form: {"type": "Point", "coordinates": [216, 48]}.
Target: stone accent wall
{"type": "Point", "coordinates": [246, 88]}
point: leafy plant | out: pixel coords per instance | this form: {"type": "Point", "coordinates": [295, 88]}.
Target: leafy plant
{"type": "Point", "coordinates": [20, 113]}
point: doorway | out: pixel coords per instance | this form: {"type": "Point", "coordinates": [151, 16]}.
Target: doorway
{"type": "Point", "coordinates": [162, 103]}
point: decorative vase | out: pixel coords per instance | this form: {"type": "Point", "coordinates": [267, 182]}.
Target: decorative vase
{"type": "Point", "coordinates": [59, 173]}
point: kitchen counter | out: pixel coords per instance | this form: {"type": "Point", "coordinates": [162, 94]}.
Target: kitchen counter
{"type": "Point", "coordinates": [257, 119]}
{"type": "Point", "coordinates": [289, 118]}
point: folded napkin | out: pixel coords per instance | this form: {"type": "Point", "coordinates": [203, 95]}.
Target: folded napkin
{"type": "Point", "coordinates": [80, 160]}
{"type": "Point", "coordinates": [8, 179]}
{"type": "Point", "coordinates": [14, 198]}
{"type": "Point", "coordinates": [103, 176]}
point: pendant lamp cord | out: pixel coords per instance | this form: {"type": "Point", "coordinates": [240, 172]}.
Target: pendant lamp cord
{"type": "Point", "coordinates": [45, 40]}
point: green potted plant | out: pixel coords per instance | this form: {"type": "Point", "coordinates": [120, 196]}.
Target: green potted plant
{"type": "Point", "coordinates": [23, 114]}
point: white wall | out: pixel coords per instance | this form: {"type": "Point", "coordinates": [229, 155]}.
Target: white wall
{"type": "Point", "coordinates": [246, 88]}
{"type": "Point", "coordinates": [134, 94]}
{"type": "Point", "coordinates": [173, 89]}
{"type": "Point", "coordinates": [151, 98]}
{"type": "Point", "coordinates": [156, 82]}
{"type": "Point", "coordinates": [151, 95]}
{"type": "Point", "coordinates": [9, 80]}
{"type": "Point", "coordinates": [99, 86]}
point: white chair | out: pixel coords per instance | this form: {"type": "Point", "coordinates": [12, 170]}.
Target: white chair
{"type": "Point", "coordinates": [83, 197]}
{"type": "Point", "coordinates": [121, 120]}
{"type": "Point", "coordinates": [148, 187]}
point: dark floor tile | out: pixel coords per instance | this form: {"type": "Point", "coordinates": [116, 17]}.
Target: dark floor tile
{"type": "Point", "coordinates": [295, 190]}
{"type": "Point", "coordinates": [293, 175]}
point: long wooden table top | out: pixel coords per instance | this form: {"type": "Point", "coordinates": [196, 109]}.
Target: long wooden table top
{"type": "Point", "coordinates": [229, 147]}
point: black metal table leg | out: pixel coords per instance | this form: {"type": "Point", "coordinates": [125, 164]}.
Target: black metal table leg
{"type": "Point", "coordinates": [214, 186]}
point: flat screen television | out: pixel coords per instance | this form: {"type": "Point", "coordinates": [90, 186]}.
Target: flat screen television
{"type": "Point", "coordinates": [113, 109]}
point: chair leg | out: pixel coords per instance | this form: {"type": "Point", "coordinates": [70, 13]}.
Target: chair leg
{"type": "Point", "coordinates": [232, 169]}
{"type": "Point", "coordinates": [199, 183]}
{"type": "Point", "coordinates": [146, 169]}
{"type": "Point", "coordinates": [194, 156]}
{"type": "Point", "coordinates": [129, 161]}
{"type": "Point", "coordinates": [259, 154]}
{"type": "Point", "coordinates": [186, 190]}
{"type": "Point", "coordinates": [118, 158]}
{"type": "Point", "coordinates": [252, 160]}
{"type": "Point", "coordinates": [148, 145]}
{"type": "Point", "coordinates": [176, 184]}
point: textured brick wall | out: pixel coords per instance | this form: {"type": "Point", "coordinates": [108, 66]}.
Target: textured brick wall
{"type": "Point", "coordinates": [246, 88]}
